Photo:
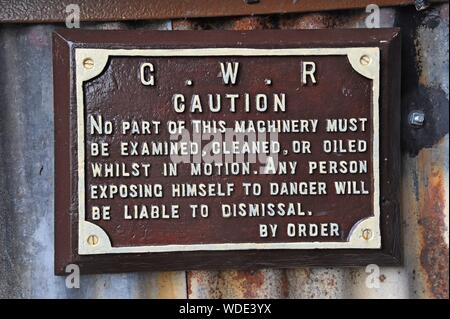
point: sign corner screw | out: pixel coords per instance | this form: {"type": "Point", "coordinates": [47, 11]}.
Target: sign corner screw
{"type": "Point", "coordinates": [367, 234]}
{"type": "Point", "coordinates": [88, 63]}
{"type": "Point", "coordinates": [92, 240]}
{"type": "Point", "coordinates": [365, 60]}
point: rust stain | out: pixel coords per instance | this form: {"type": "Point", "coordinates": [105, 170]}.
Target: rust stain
{"type": "Point", "coordinates": [250, 282]}
{"type": "Point", "coordinates": [307, 21]}
{"type": "Point", "coordinates": [168, 286]}
{"type": "Point", "coordinates": [166, 289]}
{"type": "Point", "coordinates": [189, 283]}
{"type": "Point", "coordinates": [182, 24]}
{"type": "Point", "coordinates": [434, 254]}
{"type": "Point", "coordinates": [252, 23]}
{"type": "Point", "coordinates": [284, 285]}
{"type": "Point", "coordinates": [320, 283]}
{"type": "Point", "coordinates": [204, 284]}
{"type": "Point", "coordinates": [239, 24]}
{"type": "Point", "coordinates": [262, 283]}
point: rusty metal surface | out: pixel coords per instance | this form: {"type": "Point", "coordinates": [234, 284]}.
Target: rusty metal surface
{"type": "Point", "coordinates": [425, 273]}
{"type": "Point", "coordinates": [39, 11]}
{"type": "Point", "coordinates": [26, 195]}
{"type": "Point", "coordinates": [425, 165]}
{"type": "Point", "coordinates": [27, 172]}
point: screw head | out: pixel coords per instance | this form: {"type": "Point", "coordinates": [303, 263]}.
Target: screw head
{"type": "Point", "coordinates": [367, 234]}
{"type": "Point", "coordinates": [188, 82]}
{"type": "Point", "coordinates": [417, 118]}
{"type": "Point", "coordinates": [88, 63]}
{"type": "Point", "coordinates": [365, 60]}
{"type": "Point", "coordinates": [268, 82]}
{"type": "Point", "coordinates": [92, 240]}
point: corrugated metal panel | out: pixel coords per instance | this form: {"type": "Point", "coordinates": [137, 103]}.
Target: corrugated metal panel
{"type": "Point", "coordinates": [26, 183]}
{"type": "Point", "coordinates": [425, 273]}
{"type": "Point", "coordinates": [26, 203]}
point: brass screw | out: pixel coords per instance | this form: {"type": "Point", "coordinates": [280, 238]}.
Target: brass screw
{"type": "Point", "coordinates": [88, 63]}
{"type": "Point", "coordinates": [365, 60]}
{"type": "Point", "coordinates": [367, 234]}
{"type": "Point", "coordinates": [93, 240]}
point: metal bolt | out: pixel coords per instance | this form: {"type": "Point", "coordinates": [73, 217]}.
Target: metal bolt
{"type": "Point", "coordinates": [92, 240]}
{"type": "Point", "coordinates": [365, 60]}
{"type": "Point", "coordinates": [416, 118]}
{"type": "Point", "coordinates": [88, 63]}
{"type": "Point", "coordinates": [421, 4]}
{"type": "Point", "coordinates": [367, 234]}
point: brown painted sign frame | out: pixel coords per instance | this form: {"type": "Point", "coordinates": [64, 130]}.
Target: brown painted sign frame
{"type": "Point", "coordinates": [66, 214]}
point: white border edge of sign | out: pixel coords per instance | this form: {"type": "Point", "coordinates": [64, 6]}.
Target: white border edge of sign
{"type": "Point", "coordinates": [101, 56]}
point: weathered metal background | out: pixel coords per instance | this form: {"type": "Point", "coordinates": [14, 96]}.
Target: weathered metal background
{"type": "Point", "coordinates": [43, 11]}
{"type": "Point", "coordinates": [26, 174]}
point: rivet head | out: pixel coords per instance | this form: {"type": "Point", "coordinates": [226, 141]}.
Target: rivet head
{"type": "Point", "coordinates": [367, 234]}
{"type": "Point", "coordinates": [417, 118]}
{"type": "Point", "coordinates": [92, 240]}
{"type": "Point", "coordinates": [268, 82]}
{"type": "Point", "coordinates": [88, 63]}
{"type": "Point", "coordinates": [365, 60]}
{"type": "Point", "coordinates": [188, 83]}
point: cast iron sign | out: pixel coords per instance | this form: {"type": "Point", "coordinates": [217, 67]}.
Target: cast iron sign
{"type": "Point", "coordinates": [183, 150]}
